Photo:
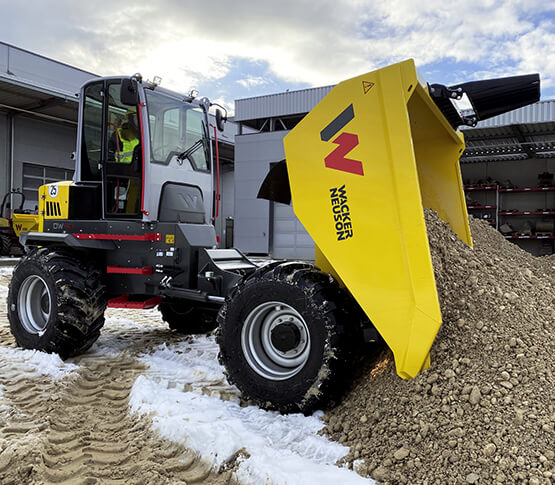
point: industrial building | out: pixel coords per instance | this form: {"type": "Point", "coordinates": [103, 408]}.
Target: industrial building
{"type": "Point", "coordinates": [507, 169]}
{"type": "Point", "coordinates": [501, 164]}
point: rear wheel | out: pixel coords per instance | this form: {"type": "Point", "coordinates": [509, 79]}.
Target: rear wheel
{"type": "Point", "coordinates": [284, 337]}
{"type": "Point", "coordinates": [56, 303]}
{"type": "Point", "coordinates": [5, 245]}
{"type": "Point", "coordinates": [188, 317]}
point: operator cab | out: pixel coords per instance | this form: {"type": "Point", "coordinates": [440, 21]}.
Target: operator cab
{"type": "Point", "coordinates": [143, 152]}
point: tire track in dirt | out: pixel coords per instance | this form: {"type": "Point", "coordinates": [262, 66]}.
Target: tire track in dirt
{"type": "Point", "coordinates": [78, 429]}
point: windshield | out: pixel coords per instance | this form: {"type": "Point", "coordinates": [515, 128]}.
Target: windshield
{"type": "Point", "coordinates": [176, 128]}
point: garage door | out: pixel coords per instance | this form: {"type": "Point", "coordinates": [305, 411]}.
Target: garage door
{"type": "Point", "coordinates": [289, 238]}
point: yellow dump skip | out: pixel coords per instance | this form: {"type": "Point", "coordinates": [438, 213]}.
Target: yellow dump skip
{"type": "Point", "coordinates": [362, 166]}
{"type": "Point", "coordinates": [25, 223]}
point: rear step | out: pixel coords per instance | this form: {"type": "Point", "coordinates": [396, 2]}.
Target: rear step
{"type": "Point", "coordinates": [123, 301]}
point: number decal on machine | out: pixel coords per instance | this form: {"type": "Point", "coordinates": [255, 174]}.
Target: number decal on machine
{"type": "Point", "coordinates": [53, 191]}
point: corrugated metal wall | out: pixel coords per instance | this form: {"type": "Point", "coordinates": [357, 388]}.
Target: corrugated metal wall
{"type": "Point", "coordinates": [28, 68]}
{"type": "Point", "coordinates": [282, 104]}
{"type": "Point", "coordinates": [534, 113]}
{"type": "Point", "coordinates": [42, 143]}
{"type": "Point", "coordinates": [289, 237]}
{"type": "Point", "coordinates": [253, 155]}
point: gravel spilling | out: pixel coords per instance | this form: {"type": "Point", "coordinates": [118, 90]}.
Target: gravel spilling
{"type": "Point", "coordinates": [484, 412]}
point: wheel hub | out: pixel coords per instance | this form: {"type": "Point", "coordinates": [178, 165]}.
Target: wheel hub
{"type": "Point", "coordinates": [285, 337]}
{"type": "Point", "coordinates": [34, 304]}
{"type": "Point", "coordinates": [275, 340]}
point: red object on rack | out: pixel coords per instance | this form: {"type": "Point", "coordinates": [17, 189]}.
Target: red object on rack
{"type": "Point", "coordinates": [526, 213]}
{"type": "Point", "coordinates": [529, 189]}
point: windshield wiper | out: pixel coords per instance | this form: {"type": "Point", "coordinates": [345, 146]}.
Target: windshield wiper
{"type": "Point", "coordinates": [195, 146]}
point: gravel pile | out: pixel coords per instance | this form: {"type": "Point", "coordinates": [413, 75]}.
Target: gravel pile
{"type": "Point", "coordinates": [485, 410]}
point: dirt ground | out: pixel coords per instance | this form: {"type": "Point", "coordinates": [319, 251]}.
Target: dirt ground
{"type": "Point", "coordinates": [78, 429]}
{"type": "Point", "coordinates": [485, 410]}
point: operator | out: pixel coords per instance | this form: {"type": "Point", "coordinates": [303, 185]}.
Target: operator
{"type": "Point", "coordinates": [123, 142]}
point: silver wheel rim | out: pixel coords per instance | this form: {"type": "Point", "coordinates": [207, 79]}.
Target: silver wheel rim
{"type": "Point", "coordinates": [34, 304]}
{"type": "Point", "coordinates": [260, 352]}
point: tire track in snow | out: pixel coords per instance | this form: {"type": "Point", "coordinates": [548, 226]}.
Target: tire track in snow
{"type": "Point", "coordinates": [78, 429]}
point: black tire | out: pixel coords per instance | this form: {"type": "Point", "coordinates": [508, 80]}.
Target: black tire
{"type": "Point", "coordinates": [56, 302]}
{"type": "Point", "coordinates": [187, 317]}
{"type": "Point", "coordinates": [5, 245]}
{"type": "Point", "coordinates": [316, 333]}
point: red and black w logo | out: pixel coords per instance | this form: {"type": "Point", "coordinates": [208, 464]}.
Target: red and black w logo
{"type": "Point", "coordinates": [346, 141]}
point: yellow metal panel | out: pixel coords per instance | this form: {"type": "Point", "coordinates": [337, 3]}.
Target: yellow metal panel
{"type": "Point", "coordinates": [4, 222]}
{"type": "Point", "coordinates": [54, 200]}
{"type": "Point", "coordinates": [25, 223]}
{"type": "Point", "coordinates": [355, 174]}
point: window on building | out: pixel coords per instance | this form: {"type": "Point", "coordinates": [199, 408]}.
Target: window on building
{"type": "Point", "coordinates": [36, 175]}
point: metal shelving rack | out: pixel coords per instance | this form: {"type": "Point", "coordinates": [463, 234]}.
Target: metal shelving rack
{"type": "Point", "coordinates": [499, 212]}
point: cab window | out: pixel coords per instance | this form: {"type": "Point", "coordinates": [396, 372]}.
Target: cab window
{"type": "Point", "coordinates": [177, 128]}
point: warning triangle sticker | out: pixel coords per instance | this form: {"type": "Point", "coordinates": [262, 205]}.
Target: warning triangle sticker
{"type": "Point", "coordinates": [367, 86]}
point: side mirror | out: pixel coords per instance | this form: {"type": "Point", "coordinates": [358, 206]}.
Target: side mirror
{"type": "Point", "coordinates": [129, 92]}
{"type": "Point", "coordinates": [220, 120]}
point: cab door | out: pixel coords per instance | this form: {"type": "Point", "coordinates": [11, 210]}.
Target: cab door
{"type": "Point", "coordinates": [111, 149]}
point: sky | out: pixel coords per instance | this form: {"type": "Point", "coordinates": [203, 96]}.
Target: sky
{"type": "Point", "coordinates": [230, 50]}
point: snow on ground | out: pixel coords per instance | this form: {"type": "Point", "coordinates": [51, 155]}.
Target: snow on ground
{"type": "Point", "coordinates": [32, 363]}
{"type": "Point", "coordinates": [6, 270]}
{"type": "Point", "coordinates": [190, 402]}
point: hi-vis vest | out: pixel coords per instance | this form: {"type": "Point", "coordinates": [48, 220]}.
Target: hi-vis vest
{"type": "Point", "coordinates": [127, 147]}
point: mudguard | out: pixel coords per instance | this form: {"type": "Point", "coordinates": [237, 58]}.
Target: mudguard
{"type": "Point", "coordinates": [363, 165]}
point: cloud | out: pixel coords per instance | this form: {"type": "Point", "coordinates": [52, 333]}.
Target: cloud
{"type": "Point", "coordinates": [252, 81]}
{"type": "Point", "coordinates": [194, 43]}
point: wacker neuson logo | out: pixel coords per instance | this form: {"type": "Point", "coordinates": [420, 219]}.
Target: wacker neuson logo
{"type": "Point", "coordinates": [337, 160]}
{"type": "Point", "coordinates": [341, 213]}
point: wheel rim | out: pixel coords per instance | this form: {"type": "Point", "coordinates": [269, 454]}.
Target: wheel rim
{"type": "Point", "coordinates": [34, 304]}
{"type": "Point", "coordinates": [275, 340]}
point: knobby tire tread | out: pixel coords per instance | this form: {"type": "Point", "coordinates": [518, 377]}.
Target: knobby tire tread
{"type": "Point", "coordinates": [323, 292]}
{"type": "Point", "coordinates": [80, 302]}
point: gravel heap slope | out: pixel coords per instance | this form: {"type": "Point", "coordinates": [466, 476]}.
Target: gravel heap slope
{"type": "Point", "coordinates": [485, 411]}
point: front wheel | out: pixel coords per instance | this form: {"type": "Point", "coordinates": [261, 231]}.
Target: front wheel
{"type": "Point", "coordinates": [56, 302]}
{"type": "Point", "coordinates": [283, 338]}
